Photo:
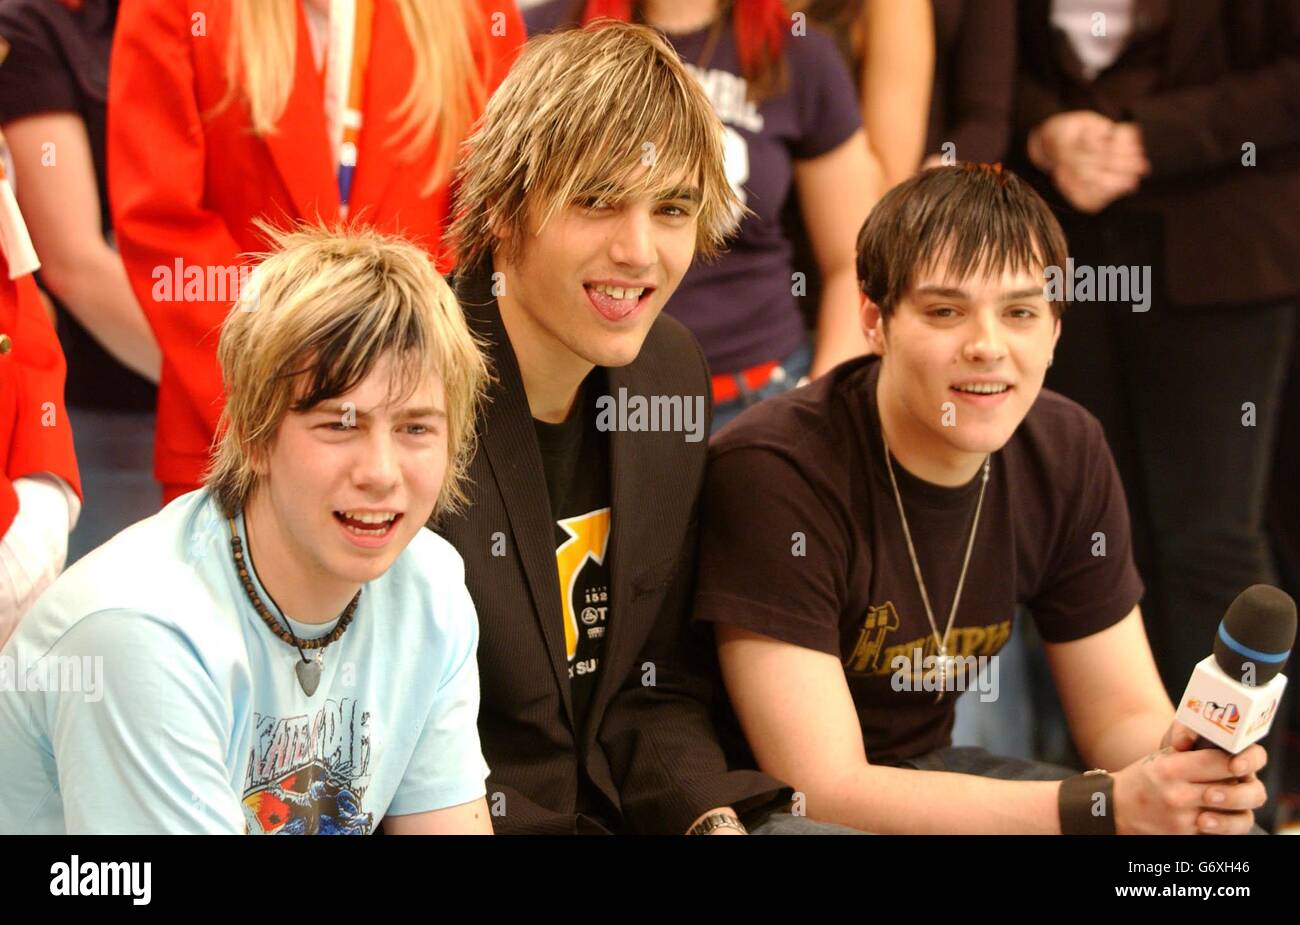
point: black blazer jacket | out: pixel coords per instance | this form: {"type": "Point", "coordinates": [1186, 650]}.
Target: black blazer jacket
{"type": "Point", "coordinates": [649, 751]}
{"type": "Point", "coordinates": [1229, 75]}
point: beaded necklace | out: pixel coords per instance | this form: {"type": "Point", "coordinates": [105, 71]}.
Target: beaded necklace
{"type": "Point", "coordinates": [307, 670]}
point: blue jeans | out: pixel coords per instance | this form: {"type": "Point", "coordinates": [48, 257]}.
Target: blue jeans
{"type": "Point", "coordinates": [977, 761]}
{"type": "Point", "coordinates": [783, 823]}
{"type": "Point", "coordinates": [784, 378]}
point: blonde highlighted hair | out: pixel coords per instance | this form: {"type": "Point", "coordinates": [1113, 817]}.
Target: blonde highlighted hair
{"type": "Point", "coordinates": [446, 89]}
{"type": "Point", "coordinates": [319, 313]}
{"type": "Point", "coordinates": [580, 112]}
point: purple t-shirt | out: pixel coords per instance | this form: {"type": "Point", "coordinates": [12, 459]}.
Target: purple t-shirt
{"type": "Point", "coordinates": [741, 307]}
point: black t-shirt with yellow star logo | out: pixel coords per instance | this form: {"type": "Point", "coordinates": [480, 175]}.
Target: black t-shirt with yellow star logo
{"type": "Point", "coordinates": [575, 456]}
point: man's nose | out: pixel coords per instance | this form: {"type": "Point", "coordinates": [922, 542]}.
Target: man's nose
{"type": "Point", "coordinates": [986, 342]}
{"type": "Point", "coordinates": [376, 469]}
{"type": "Point", "coordinates": [633, 242]}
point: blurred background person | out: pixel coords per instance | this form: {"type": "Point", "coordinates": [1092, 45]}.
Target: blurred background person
{"type": "Point", "coordinates": [789, 109]}
{"type": "Point", "coordinates": [1168, 137]}
{"type": "Point", "coordinates": [888, 46]}
{"type": "Point", "coordinates": [224, 111]}
{"type": "Point", "coordinates": [40, 493]}
{"type": "Point", "coordinates": [53, 90]}
{"type": "Point", "coordinates": [1172, 141]}
{"type": "Point", "coordinates": [930, 74]}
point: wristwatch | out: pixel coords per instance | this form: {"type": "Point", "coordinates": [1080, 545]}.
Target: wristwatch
{"type": "Point", "coordinates": [1082, 813]}
{"type": "Point", "coordinates": [714, 821]}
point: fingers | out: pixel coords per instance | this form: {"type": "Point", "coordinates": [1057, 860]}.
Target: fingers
{"type": "Point", "coordinates": [1251, 761]}
{"type": "Point", "coordinates": [1125, 162]}
{"type": "Point", "coordinates": [1181, 738]}
{"type": "Point", "coordinates": [1212, 823]}
{"type": "Point", "coordinates": [1210, 765]}
{"type": "Point", "coordinates": [1249, 794]}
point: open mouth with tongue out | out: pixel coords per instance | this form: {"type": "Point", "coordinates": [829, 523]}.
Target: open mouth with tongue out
{"type": "Point", "coordinates": [616, 300]}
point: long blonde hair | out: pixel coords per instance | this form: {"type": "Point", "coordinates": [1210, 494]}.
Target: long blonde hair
{"type": "Point", "coordinates": [446, 90]}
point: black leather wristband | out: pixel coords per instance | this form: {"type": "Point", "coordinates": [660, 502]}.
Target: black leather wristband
{"type": "Point", "coordinates": [1087, 804]}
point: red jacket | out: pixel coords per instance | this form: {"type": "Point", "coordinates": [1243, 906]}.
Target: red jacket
{"type": "Point", "coordinates": [187, 189]}
{"type": "Point", "coordinates": [35, 435]}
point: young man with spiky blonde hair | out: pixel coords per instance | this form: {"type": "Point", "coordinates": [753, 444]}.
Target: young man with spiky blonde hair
{"type": "Point", "coordinates": [286, 650]}
{"type": "Point", "coordinates": [592, 181]}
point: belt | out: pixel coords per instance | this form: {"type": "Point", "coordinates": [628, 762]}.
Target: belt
{"type": "Point", "coordinates": [726, 386]}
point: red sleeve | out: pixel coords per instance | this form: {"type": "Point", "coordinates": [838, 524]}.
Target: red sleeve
{"type": "Point", "coordinates": [37, 436]}
{"type": "Point", "coordinates": [157, 166]}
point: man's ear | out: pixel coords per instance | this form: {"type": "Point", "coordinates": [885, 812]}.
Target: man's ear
{"type": "Point", "coordinates": [1056, 337]}
{"type": "Point", "coordinates": [496, 226]}
{"type": "Point", "coordinates": [257, 459]}
{"type": "Point", "coordinates": [873, 325]}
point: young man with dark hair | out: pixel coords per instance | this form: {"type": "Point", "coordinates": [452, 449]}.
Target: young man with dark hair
{"type": "Point", "coordinates": [866, 540]}
{"type": "Point", "coordinates": [579, 544]}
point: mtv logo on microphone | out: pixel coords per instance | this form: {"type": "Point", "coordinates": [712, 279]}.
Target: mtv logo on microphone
{"type": "Point", "coordinates": [1226, 712]}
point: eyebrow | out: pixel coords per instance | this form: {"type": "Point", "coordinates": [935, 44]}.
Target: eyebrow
{"type": "Point", "coordinates": [951, 292]}
{"type": "Point", "coordinates": [337, 410]}
{"type": "Point", "coordinates": [686, 193]}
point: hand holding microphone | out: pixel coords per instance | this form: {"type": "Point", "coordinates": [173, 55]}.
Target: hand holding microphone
{"type": "Point", "coordinates": [1205, 779]}
{"type": "Point", "coordinates": [1182, 790]}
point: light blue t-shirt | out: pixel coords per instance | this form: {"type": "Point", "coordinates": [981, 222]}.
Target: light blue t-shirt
{"type": "Point", "coordinates": [143, 694]}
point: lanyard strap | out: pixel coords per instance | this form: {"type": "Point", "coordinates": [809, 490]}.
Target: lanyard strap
{"type": "Point", "coordinates": [351, 26]}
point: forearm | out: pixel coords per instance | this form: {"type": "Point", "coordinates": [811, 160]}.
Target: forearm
{"type": "Point", "coordinates": [1119, 744]}
{"type": "Point", "coordinates": [896, 801]}
{"type": "Point", "coordinates": [94, 287]}
{"type": "Point", "coordinates": [839, 326]}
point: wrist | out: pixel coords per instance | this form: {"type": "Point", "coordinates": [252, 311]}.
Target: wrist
{"type": "Point", "coordinates": [722, 820]}
{"type": "Point", "coordinates": [1086, 804]}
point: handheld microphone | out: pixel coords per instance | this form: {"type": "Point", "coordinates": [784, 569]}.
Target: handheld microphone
{"type": "Point", "coordinates": [1233, 694]}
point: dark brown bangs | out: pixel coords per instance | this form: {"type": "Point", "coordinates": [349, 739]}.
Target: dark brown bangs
{"type": "Point", "coordinates": [343, 357]}
{"type": "Point", "coordinates": [957, 221]}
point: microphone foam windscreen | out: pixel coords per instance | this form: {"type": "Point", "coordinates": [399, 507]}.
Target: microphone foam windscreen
{"type": "Point", "coordinates": [1256, 635]}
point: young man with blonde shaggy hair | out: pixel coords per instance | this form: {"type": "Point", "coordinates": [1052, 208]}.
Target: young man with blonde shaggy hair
{"type": "Point", "coordinates": [594, 178]}
{"type": "Point", "coordinates": [286, 650]}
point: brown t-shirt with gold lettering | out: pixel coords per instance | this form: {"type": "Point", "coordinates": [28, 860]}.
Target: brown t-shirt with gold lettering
{"type": "Point", "coordinates": [801, 541]}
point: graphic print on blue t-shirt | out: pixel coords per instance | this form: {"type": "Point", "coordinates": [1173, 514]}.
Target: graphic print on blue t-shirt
{"type": "Point", "coordinates": [309, 775]}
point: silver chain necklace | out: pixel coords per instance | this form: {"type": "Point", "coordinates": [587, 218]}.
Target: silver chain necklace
{"type": "Point", "coordinates": [944, 663]}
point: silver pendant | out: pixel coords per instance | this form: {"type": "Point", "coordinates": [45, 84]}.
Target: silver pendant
{"type": "Point", "coordinates": [308, 673]}
{"type": "Point", "coordinates": [944, 668]}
